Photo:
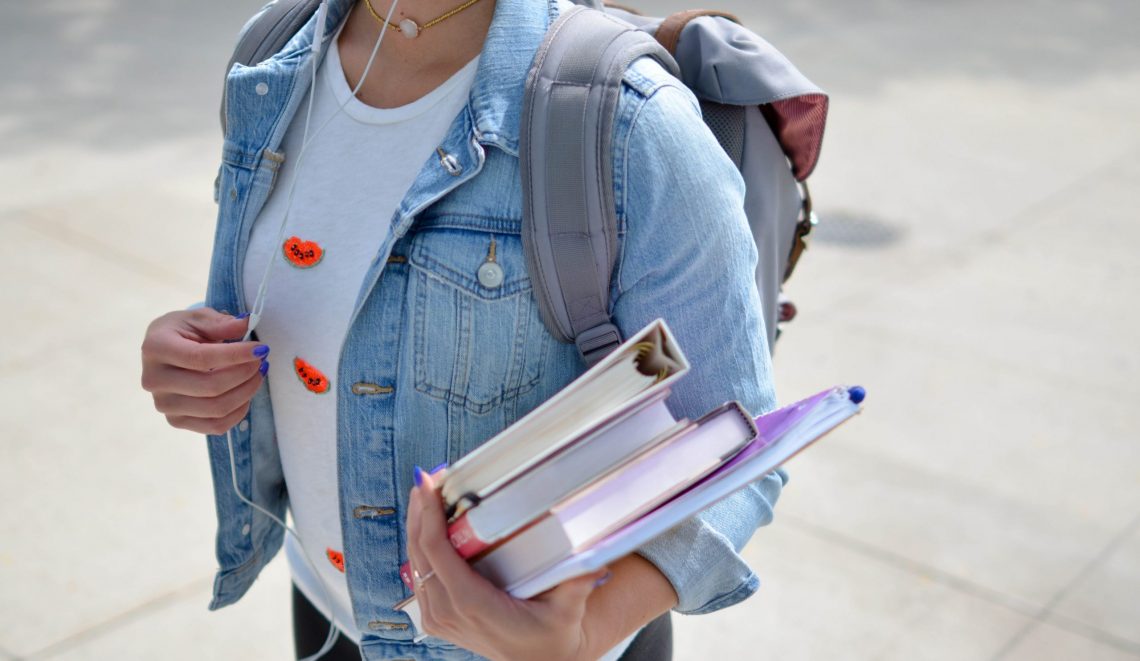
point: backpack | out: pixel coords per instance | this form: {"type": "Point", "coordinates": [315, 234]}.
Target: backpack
{"type": "Point", "coordinates": [765, 114]}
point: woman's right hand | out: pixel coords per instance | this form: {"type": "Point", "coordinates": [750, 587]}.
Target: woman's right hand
{"type": "Point", "coordinates": [199, 381]}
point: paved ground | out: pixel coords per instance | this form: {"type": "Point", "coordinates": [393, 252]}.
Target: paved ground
{"type": "Point", "coordinates": [978, 276]}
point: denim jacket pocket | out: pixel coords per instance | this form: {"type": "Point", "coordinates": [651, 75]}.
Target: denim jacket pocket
{"type": "Point", "coordinates": [479, 340]}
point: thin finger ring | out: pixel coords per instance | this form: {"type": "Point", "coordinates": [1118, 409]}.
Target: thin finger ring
{"type": "Point", "coordinates": [420, 579]}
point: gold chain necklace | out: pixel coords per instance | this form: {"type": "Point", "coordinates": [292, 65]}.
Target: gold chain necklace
{"type": "Point", "coordinates": [410, 28]}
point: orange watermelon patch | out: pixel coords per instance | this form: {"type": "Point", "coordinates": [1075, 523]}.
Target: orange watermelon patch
{"type": "Point", "coordinates": [312, 377]}
{"type": "Point", "coordinates": [302, 254]}
{"type": "Point", "coordinates": [336, 558]}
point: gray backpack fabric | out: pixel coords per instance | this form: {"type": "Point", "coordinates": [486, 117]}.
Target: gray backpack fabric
{"type": "Point", "coordinates": [569, 228]}
{"type": "Point", "coordinates": [766, 115]}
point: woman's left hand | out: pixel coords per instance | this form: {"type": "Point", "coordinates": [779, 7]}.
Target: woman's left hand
{"type": "Point", "coordinates": [459, 605]}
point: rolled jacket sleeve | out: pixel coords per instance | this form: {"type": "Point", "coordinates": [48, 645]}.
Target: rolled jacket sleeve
{"type": "Point", "coordinates": [687, 255]}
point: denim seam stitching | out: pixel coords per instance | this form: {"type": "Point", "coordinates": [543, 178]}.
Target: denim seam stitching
{"type": "Point", "coordinates": [746, 588]}
{"type": "Point", "coordinates": [464, 283]}
{"type": "Point", "coordinates": [488, 224]}
{"type": "Point", "coordinates": [625, 189]}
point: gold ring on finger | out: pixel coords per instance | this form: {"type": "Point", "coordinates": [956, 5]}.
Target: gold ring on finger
{"type": "Point", "coordinates": [419, 579]}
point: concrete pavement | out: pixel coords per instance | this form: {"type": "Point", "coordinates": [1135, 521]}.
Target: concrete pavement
{"type": "Point", "coordinates": [980, 172]}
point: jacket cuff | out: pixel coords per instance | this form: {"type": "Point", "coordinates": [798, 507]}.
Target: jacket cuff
{"type": "Point", "coordinates": [701, 556]}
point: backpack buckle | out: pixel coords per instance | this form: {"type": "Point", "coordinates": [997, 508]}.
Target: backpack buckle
{"type": "Point", "coordinates": [597, 342]}
{"type": "Point", "coordinates": [808, 221]}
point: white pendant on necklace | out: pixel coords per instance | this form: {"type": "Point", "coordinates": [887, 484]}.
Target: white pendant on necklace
{"type": "Point", "coordinates": [409, 28]}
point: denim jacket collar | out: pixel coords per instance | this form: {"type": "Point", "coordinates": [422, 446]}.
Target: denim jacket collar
{"type": "Point", "coordinates": [517, 29]}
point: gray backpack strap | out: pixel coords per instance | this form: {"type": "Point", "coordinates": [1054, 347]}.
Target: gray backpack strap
{"type": "Point", "coordinates": [569, 228]}
{"type": "Point", "coordinates": [268, 32]}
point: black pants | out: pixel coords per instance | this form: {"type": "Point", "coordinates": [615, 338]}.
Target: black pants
{"type": "Point", "coordinates": [310, 628]}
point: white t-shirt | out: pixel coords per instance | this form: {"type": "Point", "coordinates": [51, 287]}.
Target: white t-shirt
{"type": "Point", "coordinates": [353, 177]}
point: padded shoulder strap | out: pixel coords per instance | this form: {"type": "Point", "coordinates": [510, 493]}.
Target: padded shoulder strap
{"type": "Point", "coordinates": [565, 147]}
{"type": "Point", "coordinates": [268, 32]}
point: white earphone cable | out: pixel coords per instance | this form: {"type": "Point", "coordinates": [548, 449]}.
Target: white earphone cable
{"type": "Point", "coordinates": [259, 300]}
{"type": "Point", "coordinates": [262, 288]}
{"type": "Point", "coordinates": [330, 640]}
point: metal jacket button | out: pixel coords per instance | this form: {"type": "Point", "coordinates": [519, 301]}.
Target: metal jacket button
{"type": "Point", "coordinates": [490, 275]}
{"type": "Point", "coordinates": [366, 388]}
{"type": "Point", "coordinates": [262, 89]}
{"type": "Point", "coordinates": [449, 162]}
{"type": "Point", "coordinates": [372, 511]}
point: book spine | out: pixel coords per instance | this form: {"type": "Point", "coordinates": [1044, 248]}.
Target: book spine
{"type": "Point", "coordinates": [464, 539]}
{"type": "Point", "coordinates": [406, 576]}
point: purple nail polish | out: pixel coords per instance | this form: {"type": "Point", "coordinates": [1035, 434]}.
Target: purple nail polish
{"type": "Point", "coordinates": [261, 351]}
{"type": "Point", "coordinates": [603, 580]}
{"type": "Point", "coordinates": [418, 474]}
{"type": "Point", "coordinates": [438, 468]}
{"type": "Point", "coordinates": [243, 315]}
{"type": "Point", "coordinates": [264, 369]}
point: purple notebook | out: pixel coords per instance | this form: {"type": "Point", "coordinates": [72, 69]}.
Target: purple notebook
{"type": "Point", "coordinates": [783, 434]}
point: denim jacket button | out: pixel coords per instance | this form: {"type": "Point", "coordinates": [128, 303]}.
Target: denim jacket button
{"type": "Point", "coordinates": [245, 530]}
{"type": "Point", "coordinates": [372, 511]}
{"type": "Point", "coordinates": [243, 426]}
{"type": "Point", "coordinates": [381, 625]}
{"type": "Point", "coordinates": [262, 89]}
{"type": "Point", "coordinates": [490, 275]}
{"type": "Point", "coordinates": [366, 388]}
{"type": "Point", "coordinates": [450, 163]}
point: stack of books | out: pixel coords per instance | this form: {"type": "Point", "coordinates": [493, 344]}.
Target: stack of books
{"type": "Point", "coordinates": [602, 467]}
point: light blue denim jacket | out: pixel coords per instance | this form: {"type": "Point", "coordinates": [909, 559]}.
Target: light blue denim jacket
{"type": "Point", "coordinates": [457, 362]}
